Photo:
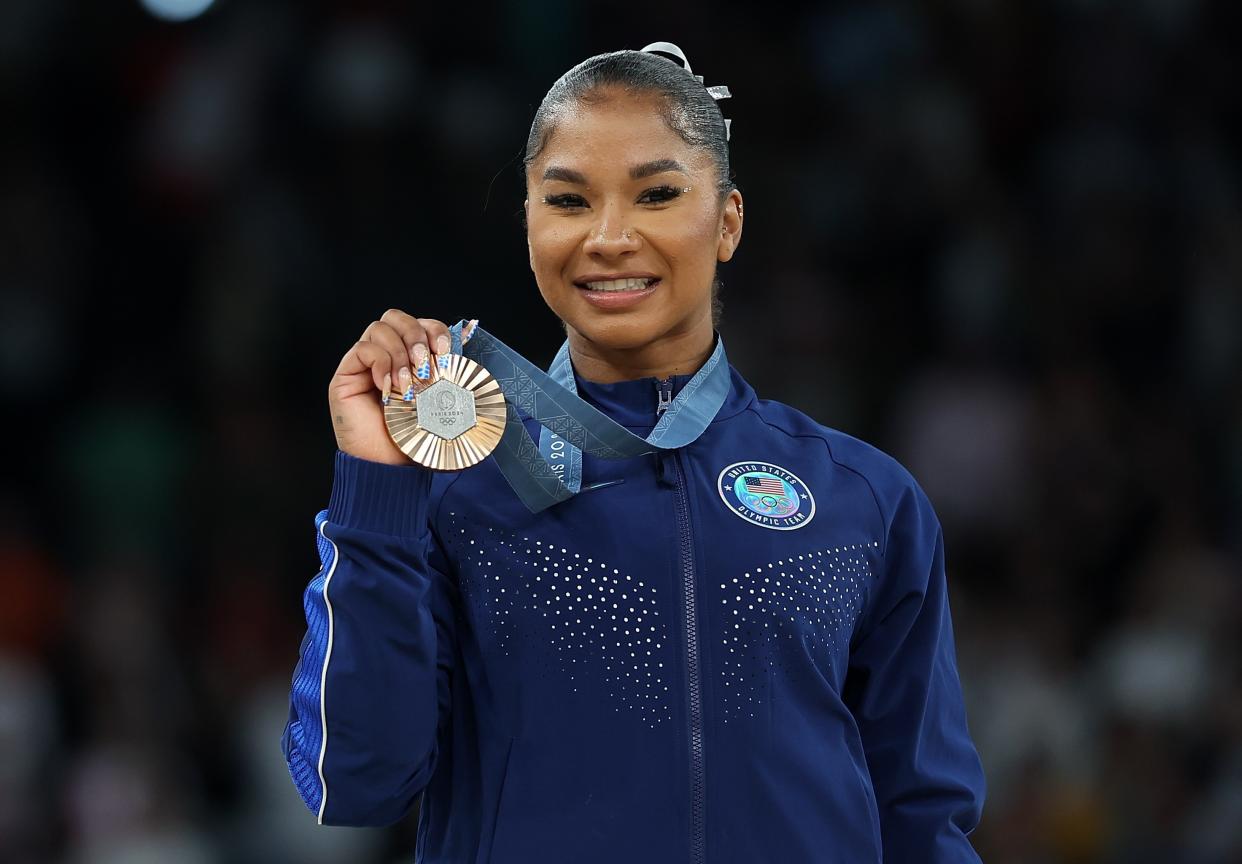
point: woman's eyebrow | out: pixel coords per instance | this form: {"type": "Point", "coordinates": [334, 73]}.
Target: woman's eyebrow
{"type": "Point", "coordinates": [637, 172]}
{"type": "Point", "coordinates": [557, 172]}
{"type": "Point", "coordinates": [656, 166]}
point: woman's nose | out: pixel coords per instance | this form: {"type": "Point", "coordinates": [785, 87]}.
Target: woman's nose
{"type": "Point", "coordinates": [609, 238]}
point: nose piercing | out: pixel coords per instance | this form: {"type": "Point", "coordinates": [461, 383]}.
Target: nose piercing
{"type": "Point", "coordinates": [603, 230]}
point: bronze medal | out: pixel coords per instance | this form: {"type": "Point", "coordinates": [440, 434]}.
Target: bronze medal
{"type": "Point", "coordinates": [452, 423]}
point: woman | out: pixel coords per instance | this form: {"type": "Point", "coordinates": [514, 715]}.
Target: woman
{"type": "Point", "coordinates": [737, 650]}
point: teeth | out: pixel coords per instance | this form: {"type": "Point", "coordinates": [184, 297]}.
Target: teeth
{"type": "Point", "coordinates": [620, 285]}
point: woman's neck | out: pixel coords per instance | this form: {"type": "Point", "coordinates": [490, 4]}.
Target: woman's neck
{"type": "Point", "coordinates": [671, 355]}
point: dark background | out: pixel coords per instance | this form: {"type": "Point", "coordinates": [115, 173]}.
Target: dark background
{"type": "Point", "coordinates": [1002, 241]}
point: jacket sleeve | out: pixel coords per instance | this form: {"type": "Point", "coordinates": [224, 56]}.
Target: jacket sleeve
{"type": "Point", "coordinates": [371, 689]}
{"type": "Point", "coordinates": [903, 689]}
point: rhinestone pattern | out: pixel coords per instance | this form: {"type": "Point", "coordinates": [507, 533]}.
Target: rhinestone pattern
{"type": "Point", "coordinates": [814, 598]}
{"type": "Point", "coordinates": [576, 615]}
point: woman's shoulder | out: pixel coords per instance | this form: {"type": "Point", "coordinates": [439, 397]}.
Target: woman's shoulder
{"type": "Point", "coordinates": [888, 478]}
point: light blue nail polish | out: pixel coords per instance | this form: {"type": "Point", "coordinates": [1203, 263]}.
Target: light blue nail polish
{"type": "Point", "coordinates": [408, 396]}
{"type": "Point", "coordinates": [424, 370]}
{"type": "Point", "coordinates": [384, 399]}
{"type": "Point", "coordinates": [443, 361]}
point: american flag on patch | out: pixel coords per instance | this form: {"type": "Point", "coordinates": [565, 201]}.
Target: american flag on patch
{"type": "Point", "coordinates": [765, 486]}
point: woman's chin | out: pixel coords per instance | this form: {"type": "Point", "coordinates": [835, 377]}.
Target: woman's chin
{"type": "Point", "coordinates": [617, 332]}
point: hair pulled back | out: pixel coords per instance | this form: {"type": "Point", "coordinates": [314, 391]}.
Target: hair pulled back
{"type": "Point", "coordinates": [685, 104]}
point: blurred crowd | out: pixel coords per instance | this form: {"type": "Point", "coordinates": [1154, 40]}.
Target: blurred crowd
{"type": "Point", "coordinates": [1001, 241]}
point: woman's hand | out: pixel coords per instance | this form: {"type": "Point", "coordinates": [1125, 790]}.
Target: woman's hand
{"type": "Point", "coordinates": [394, 355]}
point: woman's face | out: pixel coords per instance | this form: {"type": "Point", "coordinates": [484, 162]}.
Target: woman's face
{"type": "Point", "coordinates": [625, 224]}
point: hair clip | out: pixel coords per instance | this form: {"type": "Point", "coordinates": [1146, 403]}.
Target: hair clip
{"type": "Point", "coordinates": [716, 91]}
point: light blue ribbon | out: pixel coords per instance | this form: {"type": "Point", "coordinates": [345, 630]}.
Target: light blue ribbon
{"type": "Point", "coordinates": [571, 426]}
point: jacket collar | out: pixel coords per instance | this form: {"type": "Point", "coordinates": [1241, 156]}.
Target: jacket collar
{"type": "Point", "coordinates": [633, 403]}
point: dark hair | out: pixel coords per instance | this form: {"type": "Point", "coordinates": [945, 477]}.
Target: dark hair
{"type": "Point", "coordinates": [686, 106]}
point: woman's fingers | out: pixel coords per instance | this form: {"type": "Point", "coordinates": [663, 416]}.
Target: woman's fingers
{"type": "Point", "coordinates": [363, 356]}
{"type": "Point", "coordinates": [403, 350]}
{"type": "Point", "coordinates": [418, 341]}
{"type": "Point", "coordinates": [396, 345]}
{"type": "Point", "coordinates": [438, 339]}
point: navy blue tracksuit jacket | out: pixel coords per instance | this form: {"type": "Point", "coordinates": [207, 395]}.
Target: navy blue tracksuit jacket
{"type": "Point", "coordinates": [740, 651]}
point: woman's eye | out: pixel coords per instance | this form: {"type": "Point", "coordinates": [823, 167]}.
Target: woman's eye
{"type": "Point", "coordinates": [654, 195]}
{"type": "Point", "coordinates": [659, 195]}
{"type": "Point", "coordinates": [565, 201]}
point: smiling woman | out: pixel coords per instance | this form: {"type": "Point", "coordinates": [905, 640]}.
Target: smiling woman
{"type": "Point", "coordinates": [614, 196]}
{"type": "Point", "coordinates": [629, 673]}
{"type": "Point", "coordinates": [627, 174]}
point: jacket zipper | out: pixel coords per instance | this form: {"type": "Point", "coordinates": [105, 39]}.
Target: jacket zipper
{"type": "Point", "coordinates": [664, 395]}
{"type": "Point", "coordinates": [698, 796]}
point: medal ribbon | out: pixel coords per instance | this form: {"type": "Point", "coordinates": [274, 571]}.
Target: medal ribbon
{"type": "Point", "coordinates": [570, 425]}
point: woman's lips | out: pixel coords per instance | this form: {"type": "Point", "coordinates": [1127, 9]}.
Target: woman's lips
{"type": "Point", "coordinates": [618, 299]}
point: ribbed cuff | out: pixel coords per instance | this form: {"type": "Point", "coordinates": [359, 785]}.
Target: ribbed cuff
{"type": "Point", "coordinates": [385, 499]}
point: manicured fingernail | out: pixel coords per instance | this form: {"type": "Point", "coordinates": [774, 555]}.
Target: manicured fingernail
{"type": "Point", "coordinates": [419, 354]}
{"type": "Point", "coordinates": [387, 387]}
{"type": "Point", "coordinates": [468, 330]}
{"type": "Point", "coordinates": [443, 362]}
{"type": "Point", "coordinates": [424, 370]}
{"type": "Point", "coordinates": [443, 344]}
{"type": "Point", "coordinates": [407, 385]}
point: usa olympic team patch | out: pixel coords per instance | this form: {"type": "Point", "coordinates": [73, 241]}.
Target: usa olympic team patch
{"type": "Point", "coordinates": [766, 495]}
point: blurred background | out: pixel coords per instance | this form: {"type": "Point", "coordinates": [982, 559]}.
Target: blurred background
{"type": "Point", "coordinates": [1002, 241]}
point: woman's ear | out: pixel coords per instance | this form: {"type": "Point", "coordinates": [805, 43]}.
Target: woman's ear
{"type": "Point", "coordinates": [730, 226]}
